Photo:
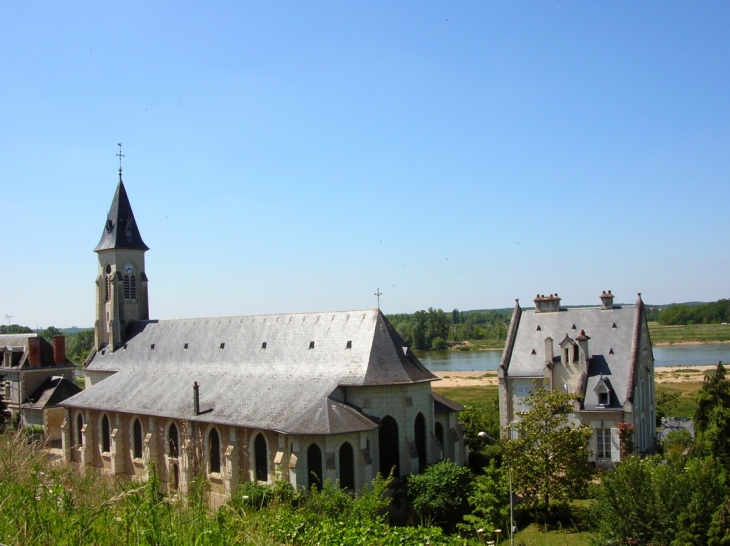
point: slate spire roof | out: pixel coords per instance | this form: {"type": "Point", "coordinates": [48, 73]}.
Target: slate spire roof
{"type": "Point", "coordinates": [120, 230]}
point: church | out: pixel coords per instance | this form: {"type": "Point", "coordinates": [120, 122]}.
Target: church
{"type": "Point", "coordinates": [301, 397]}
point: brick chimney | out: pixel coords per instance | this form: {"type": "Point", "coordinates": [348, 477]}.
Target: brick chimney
{"type": "Point", "coordinates": [547, 304]}
{"type": "Point", "coordinates": [34, 350]}
{"type": "Point", "coordinates": [606, 300]}
{"type": "Point", "coordinates": [59, 349]}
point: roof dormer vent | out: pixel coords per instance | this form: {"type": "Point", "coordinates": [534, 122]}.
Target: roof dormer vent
{"type": "Point", "coordinates": [606, 300]}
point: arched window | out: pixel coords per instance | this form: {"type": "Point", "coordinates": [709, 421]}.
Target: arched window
{"type": "Point", "coordinates": [108, 287]}
{"type": "Point", "coordinates": [106, 437]}
{"type": "Point", "coordinates": [314, 466]}
{"type": "Point", "coordinates": [261, 464]}
{"type": "Point", "coordinates": [137, 439]}
{"type": "Point", "coordinates": [420, 432]}
{"type": "Point", "coordinates": [133, 287]}
{"type": "Point", "coordinates": [126, 287]}
{"type": "Point", "coordinates": [172, 441]}
{"type": "Point", "coordinates": [79, 426]}
{"type": "Point", "coordinates": [388, 443]}
{"type": "Point", "coordinates": [347, 467]}
{"type": "Point", "coordinates": [440, 435]}
{"type": "Point", "coordinates": [215, 451]}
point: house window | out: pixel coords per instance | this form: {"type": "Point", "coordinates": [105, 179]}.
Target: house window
{"type": "Point", "coordinates": [137, 440]}
{"type": "Point", "coordinates": [521, 393]}
{"type": "Point", "coordinates": [603, 398]}
{"type": "Point", "coordinates": [603, 443]}
{"type": "Point", "coordinates": [215, 451]}
{"type": "Point", "coordinates": [106, 437]}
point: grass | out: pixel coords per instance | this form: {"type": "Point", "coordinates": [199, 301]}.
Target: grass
{"type": "Point", "coordinates": [478, 396]}
{"type": "Point", "coordinates": [699, 333]}
{"type": "Point", "coordinates": [687, 397]}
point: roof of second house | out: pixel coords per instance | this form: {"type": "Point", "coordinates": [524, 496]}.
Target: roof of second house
{"type": "Point", "coordinates": [612, 346]}
{"type": "Point", "coordinates": [52, 392]}
{"type": "Point", "coordinates": [264, 371]}
{"type": "Point", "coordinates": [18, 344]}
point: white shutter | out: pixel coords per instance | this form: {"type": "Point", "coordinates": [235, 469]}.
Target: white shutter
{"type": "Point", "coordinates": [615, 445]}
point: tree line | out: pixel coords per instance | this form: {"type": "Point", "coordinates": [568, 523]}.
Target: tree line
{"type": "Point", "coordinates": [435, 329]}
{"type": "Point", "coordinates": [705, 313]}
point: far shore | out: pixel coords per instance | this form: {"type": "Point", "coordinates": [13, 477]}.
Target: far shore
{"type": "Point", "coordinates": [664, 374]}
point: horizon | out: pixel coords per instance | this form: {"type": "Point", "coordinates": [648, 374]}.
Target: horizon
{"type": "Point", "coordinates": [288, 157]}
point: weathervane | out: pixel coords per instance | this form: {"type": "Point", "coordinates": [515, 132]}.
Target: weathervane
{"type": "Point", "coordinates": [120, 155]}
{"type": "Point", "coordinates": [378, 293]}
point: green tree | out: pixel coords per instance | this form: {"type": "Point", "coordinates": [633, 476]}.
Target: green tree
{"type": "Point", "coordinates": [489, 500]}
{"type": "Point", "coordinates": [480, 419]}
{"type": "Point", "coordinates": [666, 401]}
{"type": "Point", "coordinates": [49, 333]}
{"type": "Point", "coordinates": [712, 416]}
{"type": "Point", "coordinates": [650, 501]}
{"type": "Point", "coordinates": [79, 345]}
{"type": "Point", "coordinates": [14, 329]}
{"type": "Point", "coordinates": [441, 492]}
{"type": "Point", "coordinates": [550, 456]}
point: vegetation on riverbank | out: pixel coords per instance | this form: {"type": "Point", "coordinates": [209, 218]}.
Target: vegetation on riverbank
{"type": "Point", "coordinates": [690, 333]}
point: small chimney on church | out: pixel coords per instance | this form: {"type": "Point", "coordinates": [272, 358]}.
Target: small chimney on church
{"type": "Point", "coordinates": [196, 398]}
{"type": "Point", "coordinates": [59, 349]}
{"type": "Point", "coordinates": [606, 300]}
{"type": "Point", "coordinates": [547, 304]}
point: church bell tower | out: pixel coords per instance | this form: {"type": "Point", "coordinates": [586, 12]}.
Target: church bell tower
{"type": "Point", "coordinates": [121, 284]}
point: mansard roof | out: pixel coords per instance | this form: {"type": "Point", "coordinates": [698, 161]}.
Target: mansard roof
{"type": "Point", "coordinates": [271, 372]}
{"type": "Point", "coordinates": [120, 230]}
{"type": "Point", "coordinates": [613, 345]}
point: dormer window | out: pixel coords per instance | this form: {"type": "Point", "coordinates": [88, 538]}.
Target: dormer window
{"type": "Point", "coordinates": [603, 393]}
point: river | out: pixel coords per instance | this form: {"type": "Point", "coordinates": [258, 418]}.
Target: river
{"type": "Point", "coordinates": [666, 355]}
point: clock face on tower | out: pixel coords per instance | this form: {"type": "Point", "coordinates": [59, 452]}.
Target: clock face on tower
{"type": "Point", "coordinates": [129, 269]}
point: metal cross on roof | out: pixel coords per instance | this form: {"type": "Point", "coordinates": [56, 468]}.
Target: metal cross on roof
{"type": "Point", "coordinates": [378, 293]}
{"type": "Point", "coordinates": [120, 155]}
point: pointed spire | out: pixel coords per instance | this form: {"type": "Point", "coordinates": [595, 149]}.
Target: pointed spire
{"type": "Point", "coordinates": [120, 230]}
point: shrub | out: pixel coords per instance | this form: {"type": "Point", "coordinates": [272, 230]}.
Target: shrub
{"type": "Point", "coordinates": [441, 493]}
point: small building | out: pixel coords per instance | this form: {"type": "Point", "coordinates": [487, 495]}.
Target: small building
{"type": "Point", "coordinates": [602, 354]}
{"type": "Point", "coordinates": [301, 397]}
{"type": "Point", "coordinates": [28, 361]}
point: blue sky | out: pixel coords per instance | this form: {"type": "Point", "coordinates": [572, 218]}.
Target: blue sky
{"type": "Point", "coordinates": [295, 156]}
